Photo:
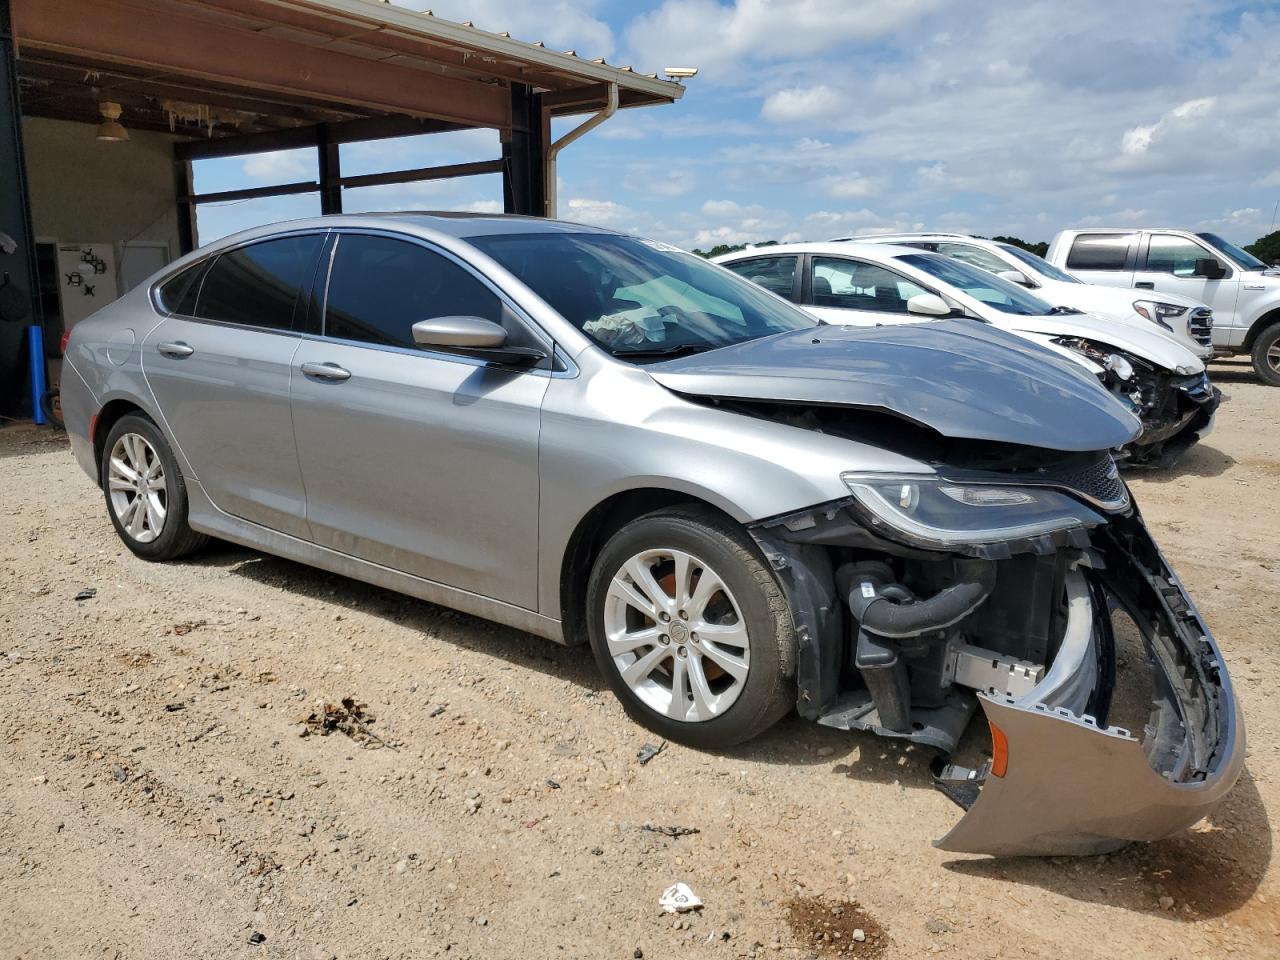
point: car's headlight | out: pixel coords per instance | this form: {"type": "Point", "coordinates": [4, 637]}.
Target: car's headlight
{"type": "Point", "coordinates": [1158, 312]}
{"type": "Point", "coordinates": [943, 513]}
{"type": "Point", "coordinates": [1103, 356]}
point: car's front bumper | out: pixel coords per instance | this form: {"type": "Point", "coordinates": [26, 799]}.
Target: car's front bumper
{"type": "Point", "coordinates": [1072, 786]}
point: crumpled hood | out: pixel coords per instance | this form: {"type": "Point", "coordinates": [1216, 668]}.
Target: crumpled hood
{"type": "Point", "coordinates": [962, 378]}
{"type": "Point", "coordinates": [1150, 345]}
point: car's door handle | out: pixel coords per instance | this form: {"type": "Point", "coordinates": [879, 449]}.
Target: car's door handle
{"type": "Point", "coordinates": [177, 349]}
{"type": "Point", "coordinates": [1145, 285]}
{"type": "Point", "coordinates": [326, 371]}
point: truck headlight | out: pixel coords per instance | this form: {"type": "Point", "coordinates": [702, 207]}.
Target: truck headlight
{"type": "Point", "coordinates": [942, 513]}
{"type": "Point", "coordinates": [1158, 312]}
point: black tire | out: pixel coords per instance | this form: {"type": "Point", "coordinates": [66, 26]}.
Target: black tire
{"type": "Point", "coordinates": [768, 692]}
{"type": "Point", "coordinates": [176, 538]}
{"type": "Point", "coordinates": [1267, 341]}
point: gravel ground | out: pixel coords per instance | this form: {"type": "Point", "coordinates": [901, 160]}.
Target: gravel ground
{"type": "Point", "coordinates": [157, 799]}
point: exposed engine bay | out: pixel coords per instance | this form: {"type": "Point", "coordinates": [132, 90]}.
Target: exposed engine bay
{"type": "Point", "coordinates": [905, 636]}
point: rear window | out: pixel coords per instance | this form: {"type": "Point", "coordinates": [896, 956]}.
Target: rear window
{"type": "Point", "coordinates": [259, 285]}
{"type": "Point", "coordinates": [178, 293]}
{"type": "Point", "coordinates": [1099, 251]}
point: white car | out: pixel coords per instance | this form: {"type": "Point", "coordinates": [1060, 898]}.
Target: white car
{"type": "Point", "coordinates": [1242, 290]}
{"type": "Point", "coordinates": [845, 282]}
{"type": "Point", "coordinates": [1182, 318]}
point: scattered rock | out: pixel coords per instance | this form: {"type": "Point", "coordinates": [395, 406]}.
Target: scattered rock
{"type": "Point", "coordinates": [256, 937]}
{"type": "Point", "coordinates": [119, 774]}
{"type": "Point", "coordinates": [826, 751]}
{"type": "Point", "coordinates": [648, 751]}
{"type": "Point", "coordinates": [88, 593]}
{"type": "Point", "coordinates": [934, 925]}
{"type": "Point", "coordinates": [1166, 903]}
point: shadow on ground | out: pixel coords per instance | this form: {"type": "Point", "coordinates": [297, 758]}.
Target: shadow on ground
{"type": "Point", "coordinates": [1210, 871]}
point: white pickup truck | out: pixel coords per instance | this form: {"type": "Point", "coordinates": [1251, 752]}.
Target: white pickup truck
{"type": "Point", "coordinates": [1242, 290]}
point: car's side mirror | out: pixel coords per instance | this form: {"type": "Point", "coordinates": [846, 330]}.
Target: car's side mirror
{"type": "Point", "coordinates": [928, 305]}
{"type": "Point", "coordinates": [473, 336]}
{"type": "Point", "coordinates": [1014, 276]}
{"type": "Point", "coordinates": [1209, 268]}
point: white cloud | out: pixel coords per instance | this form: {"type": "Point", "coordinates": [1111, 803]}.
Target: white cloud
{"type": "Point", "coordinates": [799, 104]}
{"type": "Point", "coordinates": [851, 187]}
{"type": "Point", "coordinates": [483, 206]}
{"type": "Point", "coordinates": [1138, 140]}
{"type": "Point", "coordinates": [281, 166]}
{"type": "Point", "coordinates": [600, 213]}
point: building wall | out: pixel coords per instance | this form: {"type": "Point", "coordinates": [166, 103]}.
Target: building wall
{"type": "Point", "coordinates": [84, 190]}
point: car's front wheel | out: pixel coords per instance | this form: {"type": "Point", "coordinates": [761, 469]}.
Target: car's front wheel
{"type": "Point", "coordinates": [145, 491]}
{"type": "Point", "coordinates": [691, 629]}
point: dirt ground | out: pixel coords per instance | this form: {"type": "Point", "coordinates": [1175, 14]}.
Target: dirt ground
{"type": "Point", "coordinates": [157, 800]}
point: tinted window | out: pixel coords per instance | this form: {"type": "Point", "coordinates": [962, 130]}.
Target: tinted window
{"type": "Point", "coordinates": [855, 285]}
{"type": "Point", "coordinates": [259, 285]}
{"type": "Point", "coordinates": [968, 253]}
{"type": "Point", "coordinates": [776, 274]}
{"type": "Point", "coordinates": [637, 296]}
{"type": "Point", "coordinates": [1039, 264]}
{"type": "Point", "coordinates": [1243, 258]}
{"type": "Point", "coordinates": [1099, 251]}
{"type": "Point", "coordinates": [178, 293]}
{"type": "Point", "coordinates": [380, 287]}
{"type": "Point", "coordinates": [1175, 255]}
{"type": "Point", "coordinates": [987, 287]}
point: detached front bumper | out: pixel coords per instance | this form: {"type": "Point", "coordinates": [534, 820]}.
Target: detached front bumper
{"type": "Point", "coordinates": [1060, 783]}
{"type": "Point", "coordinates": [1180, 414]}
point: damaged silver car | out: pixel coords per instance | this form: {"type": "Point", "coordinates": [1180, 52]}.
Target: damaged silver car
{"type": "Point", "coordinates": [603, 439]}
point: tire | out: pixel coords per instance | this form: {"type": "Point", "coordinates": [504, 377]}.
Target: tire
{"type": "Point", "coordinates": [160, 532]}
{"type": "Point", "coordinates": [1266, 355]}
{"type": "Point", "coordinates": [745, 686]}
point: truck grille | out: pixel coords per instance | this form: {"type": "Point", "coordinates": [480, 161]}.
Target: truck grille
{"type": "Point", "coordinates": [1200, 326]}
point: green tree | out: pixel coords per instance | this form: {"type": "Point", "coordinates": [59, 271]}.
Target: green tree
{"type": "Point", "coordinates": [722, 248]}
{"type": "Point", "coordinates": [1266, 249]}
{"type": "Point", "coordinates": [1039, 249]}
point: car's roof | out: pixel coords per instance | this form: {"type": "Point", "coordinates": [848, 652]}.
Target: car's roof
{"type": "Point", "coordinates": [832, 247]}
{"type": "Point", "coordinates": [893, 237]}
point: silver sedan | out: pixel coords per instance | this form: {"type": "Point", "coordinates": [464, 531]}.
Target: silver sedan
{"type": "Point", "coordinates": [602, 439]}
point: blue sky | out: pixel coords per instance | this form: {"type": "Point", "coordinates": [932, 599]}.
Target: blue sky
{"type": "Point", "coordinates": [818, 118]}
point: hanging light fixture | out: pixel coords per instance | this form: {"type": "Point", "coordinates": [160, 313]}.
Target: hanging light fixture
{"type": "Point", "coordinates": [111, 129]}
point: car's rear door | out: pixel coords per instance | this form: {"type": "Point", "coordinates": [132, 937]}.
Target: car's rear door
{"type": "Point", "coordinates": [1107, 259]}
{"type": "Point", "coordinates": [852, 291]}
{"type": "Point", "coordinates": [420, 461]}
{"type": "Point", "coordinates": [220, 368]}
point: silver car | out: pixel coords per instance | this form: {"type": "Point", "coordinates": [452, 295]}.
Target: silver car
{"type": "Point", "coordinates": [598, 438]}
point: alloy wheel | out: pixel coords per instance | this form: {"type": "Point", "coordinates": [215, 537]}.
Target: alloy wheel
{"type": "Point", "coordinates": [1273, 356]}
{"type": "Point", "coordinates": [676, 635]}
{"type": "Point", "coordinates": [136, 483]}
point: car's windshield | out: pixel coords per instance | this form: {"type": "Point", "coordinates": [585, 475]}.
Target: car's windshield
{"type": "Point", "coordinates": [1039, 264]}
{"type": "Point", "coordinates": [639, 297]}
{"type": "Point", "coordinates": [992, 290]}
{"type": "Point", "coordinates": [1243, 258]}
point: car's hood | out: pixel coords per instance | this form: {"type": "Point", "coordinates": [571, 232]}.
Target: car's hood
{"type": "Point", "coordinates": [1087, 296]}
{"type": "Point", "coordinates": [962, 378]}
{"type": "Point", "coordinates": [1150, 345]}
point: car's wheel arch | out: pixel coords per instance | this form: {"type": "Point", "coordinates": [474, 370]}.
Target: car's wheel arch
{"type": "Point", "coordinates": [595, 528]}
{"type": "Point", "coordinates": [1264, 321]}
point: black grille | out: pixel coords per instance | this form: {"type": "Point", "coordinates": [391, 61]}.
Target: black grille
{"type": "Point", "coordinates": [1096, 477]}
{"type": "Point", "coordinates": [1200, 326]}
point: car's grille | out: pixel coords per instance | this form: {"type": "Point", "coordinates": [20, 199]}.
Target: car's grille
{"type": "Point", "coordinates": [1096, 477]}
{"type": "Point", "coordinates": [1196, 386]}
{"type": "Point", "coordinates": [1200, 326]}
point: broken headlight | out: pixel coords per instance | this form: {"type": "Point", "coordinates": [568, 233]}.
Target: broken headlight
{"type": "Point", "coordinates": [1103, 356]}
{"type": "Point", "coordinates": [1157, 312]}
{"type": "Point", "coordinates": [945, 513]}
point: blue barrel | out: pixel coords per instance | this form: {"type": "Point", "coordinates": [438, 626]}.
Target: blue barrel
{"type": "Point", "coordinates": [35, 348]}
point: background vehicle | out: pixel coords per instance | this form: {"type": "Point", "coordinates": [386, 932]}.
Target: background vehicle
{"type": "Point", "coordinates": [1185, 320]}
{"type": "Point", "coordinates": [595, 437]}
{"type": "Point", "coordinates": [1242, 290]}
{"type": "Point", "coordinates": [862, 283]}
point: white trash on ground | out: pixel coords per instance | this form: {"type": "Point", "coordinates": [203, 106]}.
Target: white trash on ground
{"type": "Point", "coordinates": [678, 898]}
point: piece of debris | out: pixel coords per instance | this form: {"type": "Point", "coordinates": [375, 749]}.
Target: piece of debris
{"type": "Point", "coordinates": [347, 717]}
{"type": "Point", "coordinates": [678, 898]}
{"type": "Point", "coordinates": [182, 629]}
{"type": "Point", "coordinates": [648, 751]}
{"type": "Point", "coordinates": [437, 711]}
{"type": "Point", "coordinates": [934, 925]}
{"type": "Point", "coordinates": [670, 831]}
{"type": "Point", "coordinates": [88, 593]}
{"type": "Point", "coordinates": [119, 774]}
{"type": "Point", "coordinates": [256, 937]}
{"type": "Point", "coordinates": [174, 707]}
{"type": "Point", "coordinates": [552, 784]}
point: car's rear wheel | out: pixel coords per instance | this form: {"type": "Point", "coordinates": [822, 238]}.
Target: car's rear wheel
{"type": "Point", "coordinates": [1266, 355]}
{"type": "Point", "coordinates": [145, 491]}
{"type": "Point", "coordinates": [691, 628]}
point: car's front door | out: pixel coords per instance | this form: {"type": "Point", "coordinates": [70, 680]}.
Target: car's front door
{"type": "Point", "coordinates": [849, 291]}
{"type": "Point", "coordinates": [419, 461]}
{"type": "Point", "coordinates": [219, 368]}
{"type": "Point", "coordinates": [1169, 266]}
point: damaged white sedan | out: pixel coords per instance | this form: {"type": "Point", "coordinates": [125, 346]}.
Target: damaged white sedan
{"type": "Point", "coordinates": [599, 438]}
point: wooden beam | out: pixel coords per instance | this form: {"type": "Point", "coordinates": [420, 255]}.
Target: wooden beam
{"type": "Point", "coordinates": [191, 47]}
{"type": "Point", "coordinates": [349, 131]}
{"type": "Point", "coordinates": [423, 173]}
{"type": "Point", "coordinates": [252, 193]}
